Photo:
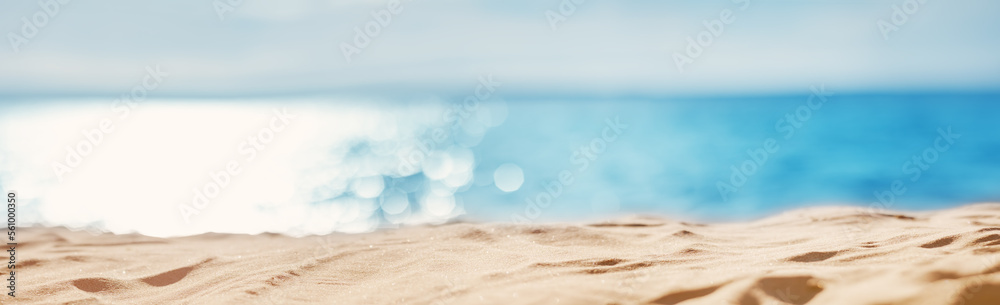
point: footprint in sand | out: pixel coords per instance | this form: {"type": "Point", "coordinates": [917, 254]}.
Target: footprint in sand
{"type": "Point", "coordinates": [939, 243]}
{"type": "Point", "coordinates": [812, 257]}
{"type": "Point", "coordinates": [684, 295]}
{"type": "Point", "coordinates": [796, 290]}
{"type": "Point", "coordinates": [104, 285]}
{"type": "Point", "coordinates": [99, 285]}
{"type": "Point", "coordinates": [169, 277]}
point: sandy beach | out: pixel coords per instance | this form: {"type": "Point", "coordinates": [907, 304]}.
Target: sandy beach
{"type": "Point", "coordinates": [833, 255]}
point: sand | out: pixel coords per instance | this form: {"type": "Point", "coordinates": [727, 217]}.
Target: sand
{"type": "Point", "coordinates": [811, 256]}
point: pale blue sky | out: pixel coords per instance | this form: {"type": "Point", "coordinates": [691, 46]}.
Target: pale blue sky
{"type": "Point", "coordinates": [439, 46]}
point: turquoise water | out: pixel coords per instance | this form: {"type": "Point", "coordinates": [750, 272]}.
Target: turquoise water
{"type": "Point", "coordinates": [354, 166]}
{"type": "Point", "coordinates": [673, 155]}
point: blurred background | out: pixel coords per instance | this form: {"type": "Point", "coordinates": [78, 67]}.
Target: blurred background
{"type": "Point", "coordinates": [308, 117]}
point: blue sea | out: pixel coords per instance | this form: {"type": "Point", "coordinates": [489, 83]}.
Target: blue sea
{"type": "Point", "coordinates": [353, 165]}
{"type": "Point", "coordinates": [675, 153]}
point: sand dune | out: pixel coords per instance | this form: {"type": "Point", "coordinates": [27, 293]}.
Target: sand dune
{"type": "Point", "coordinates": [812, 256]}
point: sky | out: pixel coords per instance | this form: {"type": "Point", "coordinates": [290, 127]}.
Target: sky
{"type": "Point", "coordinates": [210, 48]}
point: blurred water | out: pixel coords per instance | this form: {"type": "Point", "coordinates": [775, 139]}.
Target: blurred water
{"type": "Point", "coordinates": [674, 153]}
{"type": "Point", "coordinates": [353, 167]}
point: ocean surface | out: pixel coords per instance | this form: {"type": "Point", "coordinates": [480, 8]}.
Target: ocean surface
{"type": "Point", "coordinates": [352, 165]}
